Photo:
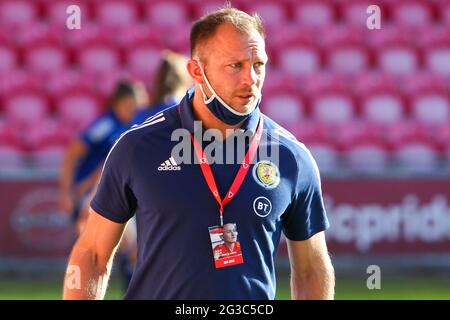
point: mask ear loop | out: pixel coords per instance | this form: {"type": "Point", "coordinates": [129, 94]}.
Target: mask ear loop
{"type": "Point", "coordinates": [215, 95]}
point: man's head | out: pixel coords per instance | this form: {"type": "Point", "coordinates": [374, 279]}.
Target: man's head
{"type": "Point", "coordinates": [229, 233]}
{"type": "Point", "coordinates": [229, 46]}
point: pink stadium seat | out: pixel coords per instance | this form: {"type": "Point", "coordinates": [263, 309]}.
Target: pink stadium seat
{"type": "Point", "coordinates": [445, 13]}
{"type": "Point", "coordinates": [419, 157]}
{"type": "Point", "coordinates": [45, 58]}
{"type": "Point", "coordinates": [167, 13]}
{"type": "Point", "coordinates": [116, 13]}
{"type": "Point", "coordinates": [333, 107]}
{"type": "Point", "coordinates": [345, 50]}
{"type": "Point", "coordinates": [325, 154]}
{"type": "Point", "coordinates": [300, 60]}
{"type": "Point", "coordinates": [144, 59]}
{"type": "Point", "coordinates": [11, 158]}
{"type": "Point", "coordinates": [285, 109]}
{"type": "Point", "coordinates": [437, 59]}
{"type": "Point", "coordinates": [137, 33]}
{"type": "Point", "coordinates": [8, 58]}
{"type": "Point", "coordinates": [24, 108]}
{"type": "Point", "coordinates": [15, 13]}
{"type": "Point", "coordinates": [271, 12]}
{"type": "Point", "coordinates": [48, 158]}
{"type": "Point", "coordinates": [313, 13]}
{"type": "Point", "coordinates": [366, 156]}
{"type": "Point", "coordinates": [76, 109]}
{"type": "Point", "coordinates": [355, 11]}
{"type": "Point", "coordinates": [382, 107]}
{"type": "Point", "coordinates": [412, 14]}
{"type": "Point", "coordinates": [397, 59]}
{"type": "Point", "coordinates": [98, 58]}
{"type": "Point", "coordinates": [56, 11]}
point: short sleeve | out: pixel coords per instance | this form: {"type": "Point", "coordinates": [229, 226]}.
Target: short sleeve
{"type": "Point", "coordinates": [98, 132]}
{"type": "Point", "coordinates": [114, 198]}
{"type": "Point", "coordinates": [306, 215]}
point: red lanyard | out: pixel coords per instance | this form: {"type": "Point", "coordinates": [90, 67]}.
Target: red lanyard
{"type": "Point", "coordinates": [243, 170]}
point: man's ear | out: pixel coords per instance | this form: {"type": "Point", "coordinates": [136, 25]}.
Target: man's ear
{"type": "Point", "coordinates": [194, 71]}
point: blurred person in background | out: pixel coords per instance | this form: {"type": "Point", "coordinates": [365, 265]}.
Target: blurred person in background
{"type": "Point", "coordinates": [171, 83]}
{"type": "Point", "coordinates": [87, 152]}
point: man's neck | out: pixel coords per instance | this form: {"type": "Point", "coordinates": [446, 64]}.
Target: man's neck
{"type": "Point", "coordinates": [209, 121]}
{"type": "Point", "coordinates": [230, 245]}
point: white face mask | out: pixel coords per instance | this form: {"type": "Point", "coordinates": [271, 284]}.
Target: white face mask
{"type": "Point", "coordinates": [220, 109]}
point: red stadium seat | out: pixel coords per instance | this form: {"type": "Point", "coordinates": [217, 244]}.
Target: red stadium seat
{"type": "Point", "coordinates": [299, 60]}
{"type": "Point", "coordinates": [56, 11]}
{"type": "Point", "coordinates": [24, 108]}
{"type": "Point", "coordinates": [345, 49]}
{"type": "Point", "coordinates": [11, 158]}
{"type": "Point", "coordinates": [76, 109]}
{"type": "Point", "coordinates": [333, 107]}
{"type": "Point", "coordinates": [416, 157]}
{"type": "Point", "coordinates": [8, 58]}
{"type": "Point", "coordinates": [167, 13]}
{"type": "Point", "coordinates": [15, 13]}
{"type": "Point", "coordinates": [398, 59]}
{"type": "Point", "coordinates": [314, 13]}
{"type": "Point", "coordinates": [437, 60]}
{"type": "Point", "coordinates": [48, 158]}
{"type": "Point", "coordinates": [382, 107]}
{"type": "Point", "coordinates": [144, 59]}
{"type": "Point", "coordinates": [326, 156]}
{"type": "Point", "coordinates": [272, 13]}
{"type": "Point", "coordinates": [355, 11]}
{"type": "Point", "coordinates": [98, 58]}
{"type": "Point", "coordinates": [445, 13]}
{"type": "Point", "coordinates": [116, 13]}
{"type": "Point", "coordinates": [285, 109]}
{"type": "Point", "coordinates": [412, 14]}
{"type": "Point", "coordinates": [45, 58]}
{"type": "Point", "coordinates": [367, 157]}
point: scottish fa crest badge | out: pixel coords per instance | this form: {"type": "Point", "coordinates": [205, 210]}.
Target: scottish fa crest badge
{"type": "Point", "coordinates": [266, 174]}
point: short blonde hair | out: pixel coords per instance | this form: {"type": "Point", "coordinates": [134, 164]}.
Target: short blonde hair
{"type": "Point", "coordinates": [204, 28]}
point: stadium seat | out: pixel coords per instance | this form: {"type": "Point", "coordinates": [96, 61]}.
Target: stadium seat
{"type": "Point", "coordinates": [46, 58]}
{"type": "Point", "coordinates": [318, 14]}
{"type": "Point", "coordinates": [412, 14]}
{"type": "Point", "coordinates": [366, 157]}
{"type": "Point", "coordinates": [144, 59]}
{"type": "Point", "coordinates": [355, 11]}
{"type": "Point", "coordinates": [116, 13]}
{"type": "Point", "coordinates": [47, 158]}
{"type": "Point", "coordinates": [8, 58]}
{"type": "Point", "coordinates": [397, 59]}
{"type": "Point", "coordinates": [76, 109]}
{"type": "Point", "coordinates": [332, 107]}
{"type": "Point", "coordinates": [98, 58]}
{"type": "Point", "coordinates": [56, 11]}
{"type": "Point", "coordinates": [17, 13]}
{"type": "Point", "coordinates": [24, 108]}
{"type": "Point", "coordinates": [431, 108]}
{"type": "Point", "coordinates": [382, 107]}
{"type": "Point", "coordinates": [416, 157]}
{"type": "Point", "coordinates": [12, 158]}
{"type": "Point", "coordinates": [437, 60]}
{"type": "Point", "coordinates": [167, 13]}
{"type": "Point", "coordinates": [271, 12]}
{"type": "Point", "coordinates": [299, 61]}
{"type": "Point", "coordinates": [326, 155]}
{"type": "Point", "coordinates": [285, 109]}
{"type": "Point", "coordinates": [445, 13]}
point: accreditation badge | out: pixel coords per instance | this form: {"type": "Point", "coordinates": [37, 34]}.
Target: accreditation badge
{"type": "Point", "coordinates": [225, 245]}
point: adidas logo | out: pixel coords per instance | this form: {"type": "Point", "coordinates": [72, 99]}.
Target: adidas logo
{"type": "Point", "coordinates": [169, 165]}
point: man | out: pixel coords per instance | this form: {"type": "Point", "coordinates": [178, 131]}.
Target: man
{"type": "Point", "coordinates": [176, 204]}
{"type": "Point", "coordinates": [230, 245]}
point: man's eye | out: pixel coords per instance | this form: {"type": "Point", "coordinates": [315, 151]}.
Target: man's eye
{"type": "Point", "coordinates": [235, 65]}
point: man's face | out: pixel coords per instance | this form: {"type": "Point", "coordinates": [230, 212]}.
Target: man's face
{"type": "Point", "coordinates": [229, 233]}
{"type": "Point", "coordinates": [234, 64]}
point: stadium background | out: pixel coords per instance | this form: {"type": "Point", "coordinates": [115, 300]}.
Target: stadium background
{"type": "Point", "coordinates": [372, 105]}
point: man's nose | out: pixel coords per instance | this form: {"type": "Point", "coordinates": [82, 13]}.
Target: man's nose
{"type": "Point", "coordinates": [250, 77]}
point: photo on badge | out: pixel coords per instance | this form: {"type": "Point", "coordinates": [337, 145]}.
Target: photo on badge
{"type": "Point", "coordinates": [225, 245]}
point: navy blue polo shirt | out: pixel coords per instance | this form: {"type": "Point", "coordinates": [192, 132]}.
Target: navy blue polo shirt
{"type": "Point", "coordinates": [175, 207]}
